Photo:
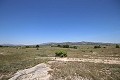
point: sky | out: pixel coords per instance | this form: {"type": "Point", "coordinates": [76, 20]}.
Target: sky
{"type": "Point", "coordinates": [41, 21]}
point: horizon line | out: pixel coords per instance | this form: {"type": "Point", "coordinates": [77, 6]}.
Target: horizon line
{"type": "Point", "coordinates": [59, 42]}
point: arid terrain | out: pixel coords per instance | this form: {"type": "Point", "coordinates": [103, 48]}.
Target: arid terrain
{"type": "Point", "coordinates": [83, 63]}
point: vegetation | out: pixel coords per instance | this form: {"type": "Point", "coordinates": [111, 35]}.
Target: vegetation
{"type": "Point", "coordinates": [12, 60]}
{"type": "Point", "coordinates": [117, 46]}
{"type": "Point", "coordinates": [97, 46]}
{"type": "Point", "coordinates": [60, 54]}
{"type": "Point", "coordinates": [37, 46]}
{"type": "Point", "coordinates": [65, 46]}
{"type": "Point", "coordinates": [27, 46]}
{"type": "Point", "coordinates": [85, 71]}
{"type": "Point", "coordinates": [59, 45]}
{"type": "Point", "coordinates": [1, 46]}
{"type": "Point", "coordinates": [75, 47]}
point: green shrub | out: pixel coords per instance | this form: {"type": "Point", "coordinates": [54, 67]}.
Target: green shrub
{"type": "Point", "coordinates": [59, 45]}
{"type": "Point", "coordinates": [117, 46]}
{"type": "Point", "coordinates": [97, 46]}
{"type": "Point", "coordinates": [60, 54]}
{"type": "Point", "coordinates": [27, 46]}
{"type": "Point", "coordinates": [104, 47]}
{"type": "Point", "coordinates": [75, 47]}
{"type": "Point", "coordinates": [91, 51]}
{"type": "Point", "coordinates": [65, 46]}
{"type": "Point", "coordinates": [1, 46]}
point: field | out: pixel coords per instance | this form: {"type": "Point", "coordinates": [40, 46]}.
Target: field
{"type": "Point", "coordinates": [13, 59]}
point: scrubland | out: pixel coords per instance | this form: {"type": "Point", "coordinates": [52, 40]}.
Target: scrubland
{"type": "Point", "coordinates": [13, 59]}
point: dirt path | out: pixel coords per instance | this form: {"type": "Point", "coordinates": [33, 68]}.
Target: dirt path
{"type": "Point", "coordinates": [40, 71]}
{"type": "Point", "coordinates": [94, 60]}
{"type": "Point", "coordinates": [105, 61]}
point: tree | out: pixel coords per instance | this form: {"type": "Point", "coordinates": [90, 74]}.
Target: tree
{"type": "Point", "coordinates": [117, 46]}
{"type": "Point", "coordinates": [37, 46]}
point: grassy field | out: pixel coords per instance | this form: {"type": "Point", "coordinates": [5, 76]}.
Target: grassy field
{"type": "Point", "coordinates": [13, 59]}
{"type": "Point", "coordinates": [85, 71]}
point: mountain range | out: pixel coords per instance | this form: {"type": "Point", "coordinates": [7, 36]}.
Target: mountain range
{"type": "Point", "coordinates": [64, 43]}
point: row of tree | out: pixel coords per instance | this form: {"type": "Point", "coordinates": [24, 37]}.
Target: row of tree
{"type": "Point", "coordinates": [116, 46]}
{"type": "Point", "coordinates": [66, 46]}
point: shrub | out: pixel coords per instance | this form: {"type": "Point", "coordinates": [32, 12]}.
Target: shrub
{"type": "Point", "coordinates": [83, 51]}
{"type": "Point", "coordinates": [65, 46]}
{"type": "Point", "coordinates": [53, 46]}
{"type": "Point", "coordinates": [75, 47]}
{"type": "Point", "coordinates": [27, 46]}
{"type": "Point", "coordinates": [104, 47]}
{"type": "Point", "coordinates": [91, 51]}
{"type": "Point", "coordinates": [117, 46]}
{"type": "Point", "coordinates": [97, 46]}
{"type": "Point", "coordinates": [59, 45]}
{"type": "Point", "coordinates": [1, 46]}
{"type": "Point", "coordinates": [60, 54]}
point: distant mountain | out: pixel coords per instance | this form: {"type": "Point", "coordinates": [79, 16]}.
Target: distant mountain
{"type": "Point", "coordinates": [64, 43]}
{"type": "Point", "coordinates": [78, 43]}
{"type": "Point", "coordinates": [12, 44]}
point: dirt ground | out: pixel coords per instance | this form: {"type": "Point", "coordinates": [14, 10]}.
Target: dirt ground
{"type": "Point", "coordinates": [43, 71]}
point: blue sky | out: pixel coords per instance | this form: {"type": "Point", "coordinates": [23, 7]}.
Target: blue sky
{"type": "Point", "coordinates": [40, 21]}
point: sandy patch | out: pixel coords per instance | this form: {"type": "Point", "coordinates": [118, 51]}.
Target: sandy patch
{"type": "Point", "coordinates": [38, 72]}
{"type": "Point", "coordinates": [105, 61]}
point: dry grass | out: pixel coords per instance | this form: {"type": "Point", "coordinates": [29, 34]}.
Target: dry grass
{"type": "Point", "coordinates": [13, 59]}
{"type": "Point", "coordinates": [85, 71]}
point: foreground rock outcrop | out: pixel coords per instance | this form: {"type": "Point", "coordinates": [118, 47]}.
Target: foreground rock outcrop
{"type": "Point", "coordinates": [38, 72]}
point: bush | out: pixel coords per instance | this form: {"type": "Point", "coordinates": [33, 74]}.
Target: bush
{"type": "Point", "coordinates": [1, 46]}
{"type": "Point", "coordinates": [60, 54]}
{"type": "Point", "coordinates": [27, 46]}
{"type": "Point", "coordinates": [91, 51]}
{"type": "Point", "coordinates": [65, 46]}
{"type": "Point", "coordinates": [83, 51]}
{"type": "Point", "coordinates": [59, 45]}
{"type": "Point", "coordinates": [117, 46]}
{"type": "Point", "coordinates": [104, 47]}
{"type": "Point", "coordinates": [75, 47]}
{"type": "Point", "coordinates": [97, 46]}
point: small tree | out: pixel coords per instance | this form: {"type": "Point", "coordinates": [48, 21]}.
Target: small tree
{"type": "Point", "coordinates": [37, 46]}
{"type": "Point", "coordinates": [117, 46]}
